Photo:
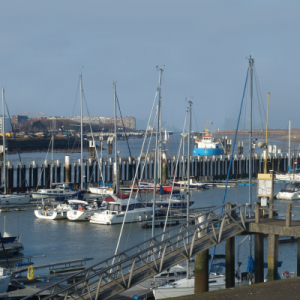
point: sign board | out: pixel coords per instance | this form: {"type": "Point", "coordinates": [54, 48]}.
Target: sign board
{"type": "Point", "coordinates": [265, 185]}
{"type": "Point", "coordinates": [263, 201]}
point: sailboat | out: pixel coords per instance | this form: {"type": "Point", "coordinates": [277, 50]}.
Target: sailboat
{"type": "Point", "coordinates": [107, 190]}
{"type": "Point", "coordinates": [6, 199]}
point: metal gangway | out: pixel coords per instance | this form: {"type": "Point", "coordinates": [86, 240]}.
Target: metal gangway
{"type": "Point", "coordinates": [146, 259]}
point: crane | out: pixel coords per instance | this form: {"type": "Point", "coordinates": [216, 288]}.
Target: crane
{"type": "Point", "coordinates": [35, 112]}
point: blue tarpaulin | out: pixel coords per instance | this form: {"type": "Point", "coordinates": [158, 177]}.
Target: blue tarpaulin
{"type": "Point", "coordinates": [250, 266]}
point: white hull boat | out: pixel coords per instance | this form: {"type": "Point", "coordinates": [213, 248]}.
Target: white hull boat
{"type": "Point", "coordinates": [115, 212]}
{"type": "Point", "coordinates": [80, 211]}
{"type": "Point", "coordinates": [61, 190]}
{"type": "Point", "coordinates": [58, 213]}
{"type": "Point", "coordinates": [14, 199]}
{"type": "Point", "coordinates": [291, 191]}
{"type": "Point", "coordinates": [193, 184]}
{"type": "Point", "coordinates": [288, 177]}
{"type": "Point", "coordinates": [4, 280]}
{"type": "Point", "coordinates": [101, 190]}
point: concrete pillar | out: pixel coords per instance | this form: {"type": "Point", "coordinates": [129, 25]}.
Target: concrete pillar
{"type": "Point", "coordinates": [23, 179]}
{"type": "Point", "coordinates": [67, 168]}
{"type": "Point", "coordinates": [164, 168]}
{"type": "Point", "coordinates": [230, 262]}
{"type": "Point", "coordinates": [47, 176]}
{"type": "Point", "coordinates": [58, 176]}
{"type": "Point", "coordinates": [10, 178]}
{"type": "Point", "coordinates": [18, 177]}
{"type": "Point", "coordinates": [34, 175]}
{"type": "Point", "coordinates": [272, 256]}
{"type": "Point", "coordinates": [259, 257]}
{"type": "Point", "coordinates": [30, 177]}
{"type": "Point", "coordinates": [201, 267]}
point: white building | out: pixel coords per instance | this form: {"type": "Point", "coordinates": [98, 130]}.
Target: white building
{"type": "Point", "coordinates": [7, 124]}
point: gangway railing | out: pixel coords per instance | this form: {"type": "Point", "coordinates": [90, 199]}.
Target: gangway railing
{"type": "Point", "coordinates": [132, 266]}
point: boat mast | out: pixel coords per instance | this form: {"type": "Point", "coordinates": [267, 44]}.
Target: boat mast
{"type": "Point", "coordinates": [156, 151]}
{"type": "Point", "coordinates": [188, 178]}
{"type": "Point", "coordinates": [116, 158]}
{"type": "Point", "coordinates": [3, 132]}
{"type": "Point", "coordinates": [81, 135]}
{"type": "Point", "coordinates": [289, 160]}
{"type": "Point", "coordinates": [266, 148]}
{"type": "Point", "coordinates": [251, 61]}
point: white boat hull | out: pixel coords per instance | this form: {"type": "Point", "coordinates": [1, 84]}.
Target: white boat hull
{"type": "Point", "coordinates": [4, 283]}
{"type": "Point", "coordinates": [288, 196]}
{"type": "Point", "coordinates": [14, 199]}
{"type": "Point", "coordinates": [77, 215]}
{"type": "Point", "coordinates": [131, 217]}
{"type": "Point", "coordinates": [38, 195]}
{"type": "Point", "coordinates": [50, 215]}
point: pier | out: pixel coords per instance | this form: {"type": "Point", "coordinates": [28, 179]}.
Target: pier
{"type": "Point", "coordinates": [22, 177]}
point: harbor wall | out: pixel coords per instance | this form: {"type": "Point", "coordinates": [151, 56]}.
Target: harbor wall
{"type": "Point", "coordinates": [33, 176]}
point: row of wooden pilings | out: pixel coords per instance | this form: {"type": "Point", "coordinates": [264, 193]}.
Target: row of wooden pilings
{"type": "Point", "coordinates": [21, 178]}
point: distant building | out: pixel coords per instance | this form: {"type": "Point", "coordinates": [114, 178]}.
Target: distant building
{"type": "Point", "coordinates": [15, 119]}
{"type": "Point", "coordinates": [7, 124]}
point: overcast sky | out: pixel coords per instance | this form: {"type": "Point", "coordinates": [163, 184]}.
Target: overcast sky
{"type": "Point", "coordinates": [203, 46]}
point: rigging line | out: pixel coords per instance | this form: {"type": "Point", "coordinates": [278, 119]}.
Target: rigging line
{"type": "Point", "coordinates": [229, 169]}
{"type": "Point", "coordinates": [195, 121]}
{"type": "Point", "coordinates": [177, 162]}
{"type": "Point", "coordinates": [259, 100]}
{"type": "Point", "coordinates": [26, 184]}
{"type": "Point", "coordinates": [91, 129]}
{"type": "Point", "coordinates": [76, 96]}
{"type": "Point", "coordinates": [42, 169]}
{"type": "Point", "coordinates": [149, 143]}
{"type": "Point", "coordinates": [134, 179]}
{"type": "Point", "coordinates": [123, 126]}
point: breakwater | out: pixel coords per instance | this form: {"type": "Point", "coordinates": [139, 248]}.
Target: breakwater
{"type": "Point", "coordinates": [31, 177]}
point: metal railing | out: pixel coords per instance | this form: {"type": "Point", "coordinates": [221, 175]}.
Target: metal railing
{"type": "Point", "coordinates": [288, 209]}
{"type": "Point", "coordinates": [132, 266]}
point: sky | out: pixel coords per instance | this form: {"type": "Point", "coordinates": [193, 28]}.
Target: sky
{"type": "Point", "coordinates": [203, 47]}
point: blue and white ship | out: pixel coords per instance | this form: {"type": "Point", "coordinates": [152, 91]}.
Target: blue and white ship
{"type": "Point", "coordinates": [207, 145]}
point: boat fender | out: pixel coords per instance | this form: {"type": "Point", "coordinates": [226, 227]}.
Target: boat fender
{"type": "Point", "coordinates": [285, 274]}
{"type": "Point", "coordinates": [30, 273]}
{"type": "Point", "coordinates": [44, 213]}
{"type": "Point", "coordinates": [80, 208]}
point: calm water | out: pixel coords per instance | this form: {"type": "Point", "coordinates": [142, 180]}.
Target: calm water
{"type": "Point", "coordinates": [66, 240]}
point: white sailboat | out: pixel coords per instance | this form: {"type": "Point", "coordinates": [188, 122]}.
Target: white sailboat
{"type": "Point", "coordinates": [107, 190]}
{"type": "Point", "coordinates": [57, 213]}
{"type": "Point", "coordinates": [6, 199]}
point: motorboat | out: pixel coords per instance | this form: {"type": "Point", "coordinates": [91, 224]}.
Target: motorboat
{"type": "Point", "coordinates": [115, 212]}
{"type": "Point", "coordinates": [80, 210]}
{"type": "Point", "coordinates": [4, 280]}
{"type": "Point", "coordinates": [290, 176]}
{"type": "Point", "coordinates": [100, 190]}
{"type": "Point", "coordinates": [291, 191]}
{"type": "Point", "coordinates": [193, 184]}
{"type": "Point", "coordinates": [60, 190]}
{"type": "Point", "coordinates": [207, 145]}
{"type": "Point", "coordinates": [14, 199]}
{"type": "Point", "coordinates": [57, 213]}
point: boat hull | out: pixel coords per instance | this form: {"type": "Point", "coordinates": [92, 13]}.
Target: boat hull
{"type": "Point", "coordinates": [288, 196]}
{"type": "Point", "coordinates": [101, 190]}
{"type": "Point", "coordinates": [131, 217]}
{"type": "Point", "coordinates": [207, 151]}
{"type": "Point", "coordinates": [4, 283]}
{"type": "Point", "coordinates": [77, 215]}
{"type": "Point", "coordinates": [14, 199]}
{"type": "Point", "coordinates": [50, 215]}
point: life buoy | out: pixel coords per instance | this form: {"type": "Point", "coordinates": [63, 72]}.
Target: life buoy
{"type": "Point", "coordinates": [285, 274]}
{"type": "Point", "coordinates": [30, 273]}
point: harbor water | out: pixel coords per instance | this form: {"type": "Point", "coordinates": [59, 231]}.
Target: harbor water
{"type": "Point", "coordinates": [62, 240]}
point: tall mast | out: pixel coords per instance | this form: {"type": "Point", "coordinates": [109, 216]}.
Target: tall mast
{"type": "Point", "coordinates": [81, 134]}
{"type": "Point", "coordinates": [289, 160]}
{"type": "Point", "coordinates": [266, 148]}
{"type": "Point", "coordinates": [116, 158]}
{"type": "Point", "coordinates": [156, 152]}
{"type": "Point", "coordinates": [251, 61]}
{"type": "Point", "coordinates": [188, 176]}
{"type": "Point", "coordinates": [3, 132]}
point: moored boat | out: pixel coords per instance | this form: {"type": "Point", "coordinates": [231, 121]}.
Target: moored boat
{"type": "Point", "coordinates": [207, 145]}
{"type": "Point", "coordinates": [80, 210]}
{"type": "Point", "coordinates": [291, 191]}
